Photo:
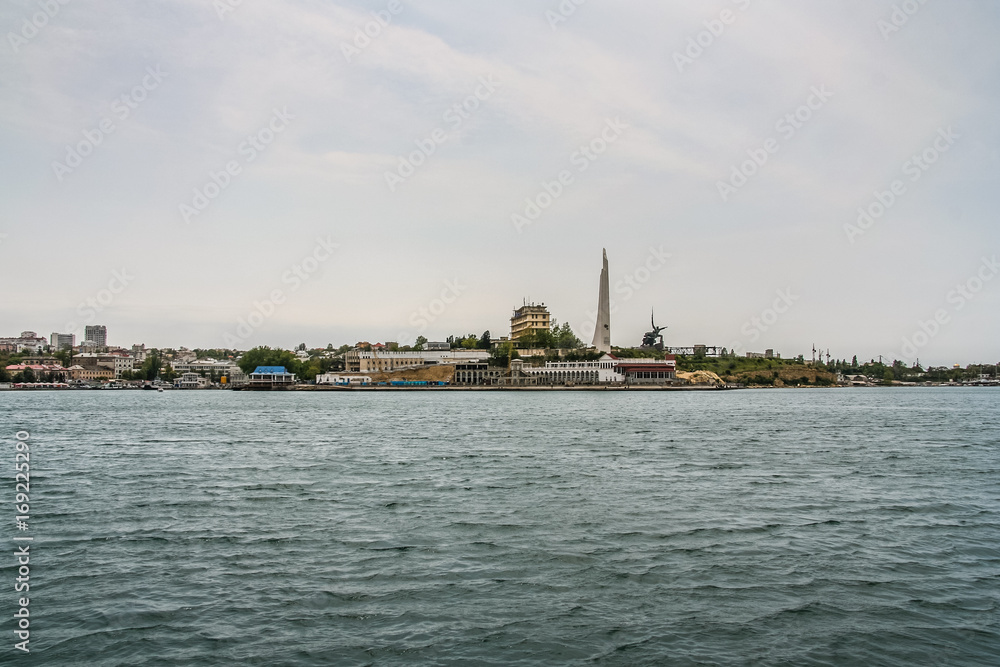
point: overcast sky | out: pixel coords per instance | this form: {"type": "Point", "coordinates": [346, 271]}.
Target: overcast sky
{"type": "Point", "coordinates": [115, 116]}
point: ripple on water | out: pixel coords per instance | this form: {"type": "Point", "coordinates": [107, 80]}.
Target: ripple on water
{"type": "Point", "coordinates": [514, 529]}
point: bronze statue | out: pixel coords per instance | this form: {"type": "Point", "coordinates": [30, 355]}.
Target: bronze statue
{"type": "Point", "coordinates": [653, 338]}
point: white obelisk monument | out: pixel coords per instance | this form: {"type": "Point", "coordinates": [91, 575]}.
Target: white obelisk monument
{"type": "Point", "coordinates": [602, 333]}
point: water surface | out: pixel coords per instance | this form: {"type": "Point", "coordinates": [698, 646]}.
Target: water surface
{"type": "Point", "coordinates": [826, 527]}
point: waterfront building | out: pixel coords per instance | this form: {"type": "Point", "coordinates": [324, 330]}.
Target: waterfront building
{"type": "Point", "coordinates": [78, 372]}
{"type": "Point", "coordinates": [602, 328]}
{"type": "Point", "coordinates": [116, 362]}
{"type": "Point", "coordinates": [528, 318]}
{"type": "Point", "coordinates": [343, 380]}
{"type": "Point", "coordinates": [601, 371]}
{"type": "Point", "coordinates": [607, 370]}
{"type": "Point", "coordinates": [213, 369]}
{"type": "Point", "coordinates": [372, 361]}
{"type": "Point", "coordinates": [271, 376]}
{"type": "Point", "coordinates": [657, 373]}
{"type": "Point", "coordinates": [54, 371]}
{"type": "Point", "coordinates": [191, 381]}
{"type": "Point", "coordinates": [60, 341]}
{"type": "Point", "coordinates": [96, 333]}
{"type": "Point", "coordinates": [478, 373]}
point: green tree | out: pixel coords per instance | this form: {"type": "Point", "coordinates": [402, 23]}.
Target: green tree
{"type": "Point", "coordinates": [64, 357]}
{"type": "Point", "coordinates": [419, 344]}
{"type": "Point", "coordinates": [168, 373]}
{"type": "Point", "coordinates": [502, 354]}
{"type": "Point", "coordinates": [266, 356]}
{"type": "Point", "coordinates": [151, 367]}
{"type": "Point", "coordinates": [485, 342]}
{"type": "Point", "coordinates": [565, 338]}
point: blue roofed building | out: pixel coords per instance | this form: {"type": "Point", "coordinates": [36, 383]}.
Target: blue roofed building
{"type": "Point", "coordinates": [271, 377]}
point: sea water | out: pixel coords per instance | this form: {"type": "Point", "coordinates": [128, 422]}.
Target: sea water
{"type": "Point", "coordinates": [772, 527]}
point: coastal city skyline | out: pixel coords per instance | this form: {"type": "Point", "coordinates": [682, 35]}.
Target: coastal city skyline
{"type": "Point", "coordinates": [197, 192]}
{"type": "Point", "coordinates": [598, 319]}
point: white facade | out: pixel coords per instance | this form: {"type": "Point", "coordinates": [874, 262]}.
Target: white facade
{"type": "Point", "coordinates": [364, 361]}
{"type": "Point", "coordinates": [28, 341]}
{"type": "Point", "coordinates": [602, 371]}
{"type": "Point", "coordinates": [343, 380]}
{"type": "Point", "coordinates": [60, 341]}
{"type": "Point", "coordinates": [233, 373]}
{"type": "Point", "coordinates": [192, 381]}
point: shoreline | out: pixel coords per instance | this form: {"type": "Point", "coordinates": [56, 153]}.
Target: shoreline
{"type": "Point", "coordinates": [327, 388]}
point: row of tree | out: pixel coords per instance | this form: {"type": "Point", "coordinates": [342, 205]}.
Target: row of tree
{"type": "Point", "coordinates": [306, 369]}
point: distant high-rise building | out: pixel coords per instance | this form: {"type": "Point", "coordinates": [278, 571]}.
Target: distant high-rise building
{"type": "Point", "coordinates": [602, 332]}
{"type": "Point", "coordinates": [62, 341]}
{"type": "Point", "coordinates": [529, 317]}
{"type": "Point", "coordinates": [96, 333]}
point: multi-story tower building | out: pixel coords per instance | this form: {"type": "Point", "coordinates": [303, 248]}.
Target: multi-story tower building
{"type": "Point", "coordinates": [61, 341]}
{"type": "Point", "coordinates": [529, 317]}
{"type": "Point", "coordinates": [96, 333]}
